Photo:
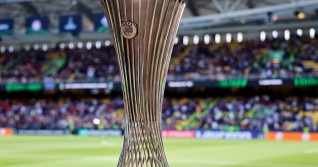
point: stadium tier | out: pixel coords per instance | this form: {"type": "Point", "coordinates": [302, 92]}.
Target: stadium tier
{"type": "Point", "coordinates": [257, 113]}
{"type": "Point", "coordinates": [271, 59]}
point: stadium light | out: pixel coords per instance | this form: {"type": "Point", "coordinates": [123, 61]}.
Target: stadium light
{"type": "Point", "coordinates": [98, 44]}
{"type": "Point", "coordinates": [196, 39]}
{"type": "Point", "coordinates": [44, 47]}
{"type": "Point", "coordinates": [89, 45]}
{"type": "Point", "coordinates": [107, 43]}
{"type": "Point", "coordinates": [217, 38]}
{"type": "Point", "coordinates": [207, 39]}
{"type": "Point", "coordinates": [62, 46]}
{"type": "Point", "coordinates": [312, 33]}
{"type": "Point", "coordinates": [274, 17]}
{"type": "Point", "coordinates": [176, 40]}
{"type": "Point", "coordinates": [263, 36]}
{"type": "Point", "coordinates": [275, 34]}
{"type": "Point", "coordinates": [300, 15]}
{"type": "Point", "coordinates": [240, 37]}
{"type": "Point", "coordinates": [36, 47]}
{"type": "Point", "coordinates": [11, 49]}
{"type": "Point", "coordinates": [185, 40]}
{"type": "Point", "coordinates": [287, 35]}
{"type": "Point", "coordinates": [228, 37]}
{"type": "Point", "coordinates": [300, 32]}
{"type": "Point", "coordinates": [80, 45]}
{"type": "Point", "coordinates": [96, 121]}
{"type": "Point", "coordinates": [71, 45]}
{"type": "Point", "coordinates": [3, 49]}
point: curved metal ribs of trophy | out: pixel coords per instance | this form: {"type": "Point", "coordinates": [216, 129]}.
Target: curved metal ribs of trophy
{"type": "Point", "coordinates": [143, 32]}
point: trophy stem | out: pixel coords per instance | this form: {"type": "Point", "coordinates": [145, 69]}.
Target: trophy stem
{"type": "Point", "coordinates": [143, 145]}
{"type": "Point", "coordinates": [143, 32]}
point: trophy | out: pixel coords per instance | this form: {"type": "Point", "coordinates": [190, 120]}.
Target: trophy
{"type": "Point", "coordinates": [143, 33]}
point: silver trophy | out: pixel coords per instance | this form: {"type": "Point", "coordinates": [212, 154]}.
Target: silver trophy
{"type": "Point", "coordinates": [143, 33]}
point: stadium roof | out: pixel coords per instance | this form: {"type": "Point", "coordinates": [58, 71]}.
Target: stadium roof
{"type": "Point", "coordinates": [218, 10]}
{"type": "Point", "coordinates": [14, 8]}
{"type": "Point", "coordinates": [199, 14]}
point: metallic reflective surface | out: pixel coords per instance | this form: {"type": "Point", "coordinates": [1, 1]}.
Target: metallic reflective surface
{"type": "Point", "coordinates": [144, 55]}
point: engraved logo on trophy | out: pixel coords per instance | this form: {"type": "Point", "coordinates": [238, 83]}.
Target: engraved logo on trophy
{"type": "Point", "coordinates": [129, 29]}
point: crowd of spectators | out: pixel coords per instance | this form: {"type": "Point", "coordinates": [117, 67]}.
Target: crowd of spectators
{"type": "Point", "coordinates": [272, 58]}
{"type": "Point", "coordinates": [289, 114]}
{"type": "Point", "coordinates": [31, 66]}
{"type": "Point", "coordinates": [240, 113]}
{"type": "Point", "coordinates": [94, 64]}
{"type": "Point", "coordinates": [61, 114]}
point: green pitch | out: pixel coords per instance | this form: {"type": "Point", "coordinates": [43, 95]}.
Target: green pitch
{"type": "Point", "coordinates": [71, 151]}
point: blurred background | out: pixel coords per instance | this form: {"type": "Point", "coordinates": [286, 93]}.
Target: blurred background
{"type": "Point", "coordinates": [243, 78]}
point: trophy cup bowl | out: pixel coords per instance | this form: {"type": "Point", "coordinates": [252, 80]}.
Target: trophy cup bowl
{"type": "Point", "coordinates": [143, 33]}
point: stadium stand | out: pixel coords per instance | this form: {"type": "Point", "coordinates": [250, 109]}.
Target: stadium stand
{"type": "Point", "coordinates": [273, 58]}
{"type": "Point", "coordinates": [225, 113]}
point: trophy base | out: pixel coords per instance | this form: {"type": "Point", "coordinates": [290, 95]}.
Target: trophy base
{"type": "Point", "coordinates": [143, 145]}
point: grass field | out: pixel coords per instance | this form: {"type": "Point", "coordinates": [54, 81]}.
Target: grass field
{"type": "Point", "coordinates": [30, 151]}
